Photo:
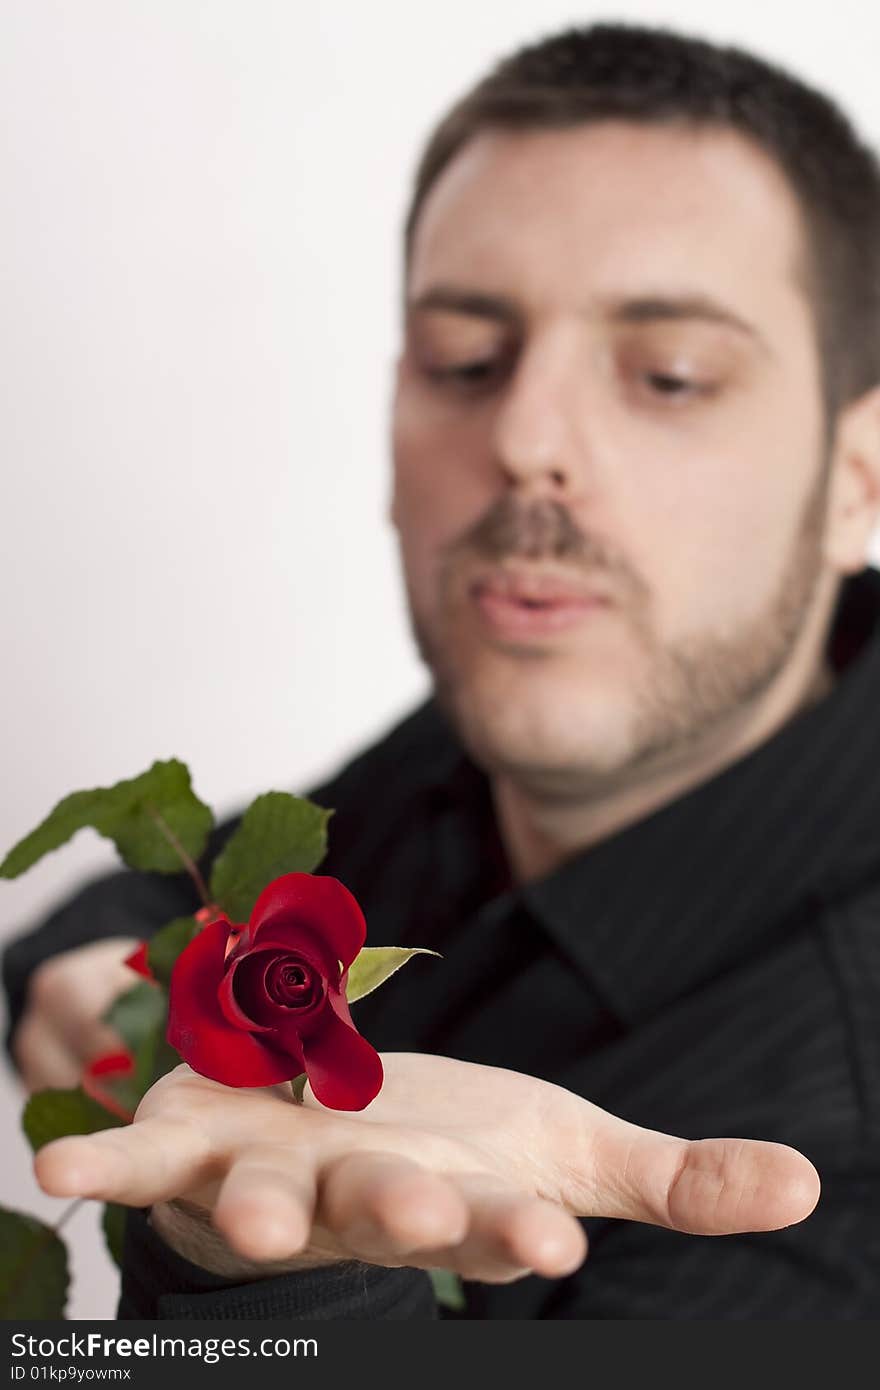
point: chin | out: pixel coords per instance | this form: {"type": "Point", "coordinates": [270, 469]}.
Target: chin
{"type": "Point", "coordinates": [538, 727]}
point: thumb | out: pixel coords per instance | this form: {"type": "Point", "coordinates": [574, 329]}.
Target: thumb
{"type": "Point", "coordinates": [706, 1187]}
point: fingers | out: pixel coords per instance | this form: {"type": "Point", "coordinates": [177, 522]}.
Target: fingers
{"type": "Point", "coordinates": [727, 1185]}
{"type": "Point", "coordinates": [75, 987]}
{"type": "Point", "coordinates": [90, 1039]}
{"type": "Point", "coordinates": [512, 1234]}
{"type": "Point", "coordinates": [266, 1204]}
{"type": "Point", "coordinates": [702, 1186]}
{"type": "Point", "coordinates": [61, 1029]}
{"type": "Point", "coordinates": [390, 1211]}
{"type": "Point", "coordinates": [49, 1057]}
{"type": "Point", "coordinates": [150, 1161]}
{"type": "Point", "coordinates": [384, 1207]}
{"type": "Point", "coordinates": [42, 1058]}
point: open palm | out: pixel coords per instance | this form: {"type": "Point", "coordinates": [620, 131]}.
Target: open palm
{"type": "Point", "coordinates": [470, 1168]}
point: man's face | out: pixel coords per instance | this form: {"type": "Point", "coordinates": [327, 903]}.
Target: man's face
{"type": "Point", "coordinates": [609, 389]}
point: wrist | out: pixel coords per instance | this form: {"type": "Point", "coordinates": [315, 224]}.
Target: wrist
{"type": "Point", "coordinates": [188, 1230]}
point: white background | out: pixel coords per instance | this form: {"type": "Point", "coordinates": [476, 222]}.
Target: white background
{"type": "Point", "coordinates": [200, 209]}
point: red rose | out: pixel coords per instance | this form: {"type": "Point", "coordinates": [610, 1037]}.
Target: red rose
{"type": "Point", "coordinates": [260, 1004]}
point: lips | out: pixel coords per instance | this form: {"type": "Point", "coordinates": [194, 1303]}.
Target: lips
{"type": "Point", "coordinates": [538, 590]}
{"type": "Point", "coordinates": [532, 605]}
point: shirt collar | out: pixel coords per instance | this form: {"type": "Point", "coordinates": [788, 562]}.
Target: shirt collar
{"type": "Point", "coordinates": [737, 861]}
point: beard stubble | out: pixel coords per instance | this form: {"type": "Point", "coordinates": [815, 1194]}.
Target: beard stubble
{"type": "Point", "coordinates": [689, 687]}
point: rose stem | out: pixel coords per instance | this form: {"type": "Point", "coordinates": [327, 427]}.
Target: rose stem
{"type": "Point", "coordinates": [67, 1213]}
{"type": "Point", "coordinates": [190, 866]}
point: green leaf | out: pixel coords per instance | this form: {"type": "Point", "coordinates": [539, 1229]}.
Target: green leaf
{"type": "Point", "coordinates": [33, 1268]}
{"type": "Point", "coordinates": [137, 1013]}
{"type": "Point", "coordinates": [142, 816]}
{"type": "Point", "coordinates": [113, 1226]}
{"type": "Point", "coordinates": [167, 945]}
{"type": "Point", "coordinates": [140, 1016]}
{"type": "Point", "coordinates": [447, 1288]}
{"type": "Point", "coordinates": [54, 1114]}
{"type": "Point", "coordinates": [278, 834]}
{"type": "Point", "coordinates": [373, 964]}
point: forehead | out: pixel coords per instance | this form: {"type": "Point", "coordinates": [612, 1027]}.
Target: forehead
{"type": "Point", "coordinates": [606, 208]}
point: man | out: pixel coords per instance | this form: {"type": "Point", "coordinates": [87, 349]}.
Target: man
{"type": "Point", "coordinates": [636, 446]}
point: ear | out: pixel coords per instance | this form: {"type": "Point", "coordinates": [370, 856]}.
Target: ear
{"type": "Point", "coordinates": [854, 493]}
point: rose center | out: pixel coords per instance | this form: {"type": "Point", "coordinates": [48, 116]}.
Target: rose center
{"type": "Point", "coordinates": [292, 983]}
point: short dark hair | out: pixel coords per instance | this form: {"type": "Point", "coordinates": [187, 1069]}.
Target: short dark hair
{"type": "Point", "coordinates": [655, 76]}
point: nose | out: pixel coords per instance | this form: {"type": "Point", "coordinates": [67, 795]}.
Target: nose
{"type": "Point", "coordinates": [536, 433]}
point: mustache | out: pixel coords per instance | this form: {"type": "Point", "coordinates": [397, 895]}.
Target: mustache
{"type": "Point", "coordinates": [537, 530]}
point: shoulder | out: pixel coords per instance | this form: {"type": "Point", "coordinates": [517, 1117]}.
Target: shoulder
{"type": "Point", "coordinates": [416, 747]}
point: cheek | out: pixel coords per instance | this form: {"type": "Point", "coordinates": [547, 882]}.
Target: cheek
{"type": "Point", "coordinates": [718, 534]}
{"type": "Point", "coordinates": [442, 485]}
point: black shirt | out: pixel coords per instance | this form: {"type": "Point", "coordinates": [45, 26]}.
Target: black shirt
{"type": "Point", "coordinates": [712, 969]}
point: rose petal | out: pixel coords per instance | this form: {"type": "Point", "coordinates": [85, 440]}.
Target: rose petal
{"type": "Point", "coordinates": [344, 1071]}
{"type": "Point", "coordinates": [288, 939]}
{"type": "Point", "coordinates": [101, 1070]}
{"type": "Point", "coordinates": [137, 961]}
{"type": "Point", "coordinates": [292, 995]}
{"type": "Point", "coordinates": [244, 1014]}
{"type": "Point", "coordinates": [111, 1064]}
{"type": "Point", "coordinates": [246, 1062]}
{"type": "Point", "coordinates": [250, 998]}
{"type": "Point", "coordinates": [201, 1033]}
{"type": "Point", "coordinates": [320, 903]}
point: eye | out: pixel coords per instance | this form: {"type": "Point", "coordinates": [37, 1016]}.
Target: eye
{"type": "Point", "coordinates": [456, 373]}
{"type": "Point", "coordinates": [667, 385]}
{"type": "Point", "coordinates": [468, 373]}
{"type": "Point", "coordinates": [667, 389]}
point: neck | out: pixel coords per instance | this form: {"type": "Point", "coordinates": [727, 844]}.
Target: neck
{"type": "Point", "coordinates": [540, 833]}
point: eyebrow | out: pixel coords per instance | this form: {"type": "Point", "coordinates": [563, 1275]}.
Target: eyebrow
{"type": "Point", "coordinates": [645, 308]}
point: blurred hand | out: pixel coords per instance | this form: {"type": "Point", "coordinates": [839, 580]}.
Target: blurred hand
{"type": "Point", "coordinates": [470, 1168]}
{"type": "Point", "coordinates": [60, 1030]}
